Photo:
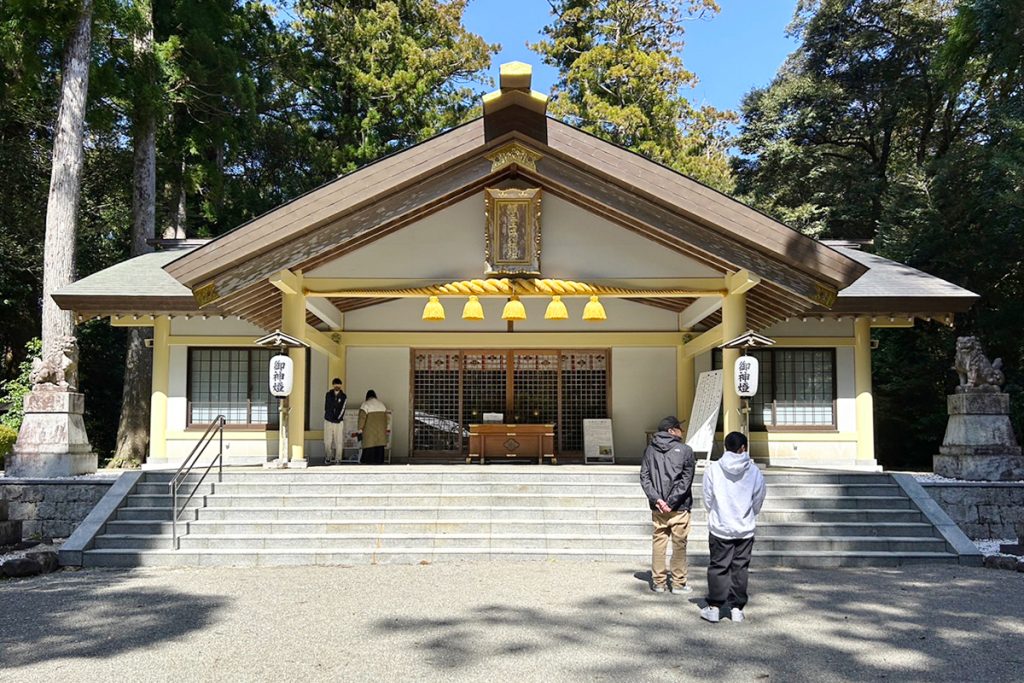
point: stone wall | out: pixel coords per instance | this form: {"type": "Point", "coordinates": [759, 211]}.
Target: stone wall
{"type": "Point", "coordinates": [52, 508]}
{"type": "Point", "coordinates": [982, 509]}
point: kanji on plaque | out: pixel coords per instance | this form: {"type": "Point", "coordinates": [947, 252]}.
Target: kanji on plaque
{"type": "Point", "coordinates": [746, 373]}
{"type": "Point", "coordinates": [281, 376]}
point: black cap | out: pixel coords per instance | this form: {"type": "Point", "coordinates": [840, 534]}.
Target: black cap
{"type": "Point", "coordinates": [670, 422]}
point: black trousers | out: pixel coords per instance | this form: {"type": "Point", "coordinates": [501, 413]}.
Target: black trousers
{"type": "Point", "coordinates": [374, 455]}
{"type": "Point", "coordinates": [727, 571]}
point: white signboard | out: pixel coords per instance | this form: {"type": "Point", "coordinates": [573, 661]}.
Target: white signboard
{"type": "Point", "coordinates": [707, 402]}
{"type": "Point", "coordinates": [281, 376]}
{"type": "Point", "coordinates": [746, 376]}
{"type": "Point", "coordinates": [597, 442]}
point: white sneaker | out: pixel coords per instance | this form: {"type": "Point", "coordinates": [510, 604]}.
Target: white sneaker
{"type": "Point", "coordinates": [736, 614]}
{"type": "Point", "coordinates": [679, 590]}
{"type": "Point", "coordinates": [658, 589]}
{"type": "Point", "coordinates": [709, 613]}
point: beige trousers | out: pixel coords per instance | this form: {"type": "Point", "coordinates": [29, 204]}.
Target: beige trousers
{"type": "Point", "coordinates": [676, 525]}
{"type": "Point", "coordinates": [333, 440]}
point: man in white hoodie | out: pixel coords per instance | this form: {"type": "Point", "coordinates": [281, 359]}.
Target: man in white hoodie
{"type": "Point", "coordinates": [734, 491]}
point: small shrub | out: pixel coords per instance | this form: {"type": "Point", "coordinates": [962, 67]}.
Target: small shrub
{"type": "Point", "coordinates": [13, 391]}
{"type": "Point", "coordinates": [7, 438]}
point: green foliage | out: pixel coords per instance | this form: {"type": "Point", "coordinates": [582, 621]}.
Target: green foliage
{"type": "Point", "coordinates": [903, 122]}
{"type": "Point", "coordinates": [12, 391]}
{"type": "Point", "coordinates": [8, 436]}
{"type": "Point", "coordinates": [622, 78]}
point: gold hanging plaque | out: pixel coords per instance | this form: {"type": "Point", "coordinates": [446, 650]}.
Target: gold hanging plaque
{"type": "Point", "coordinates": [512, 237]}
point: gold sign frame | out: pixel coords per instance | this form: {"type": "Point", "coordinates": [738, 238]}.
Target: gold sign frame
{"type": "Point", "coordinates": [512, 233]}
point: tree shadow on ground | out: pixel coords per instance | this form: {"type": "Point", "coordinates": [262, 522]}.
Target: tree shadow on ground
{"type": "Point", "coordinates": [914, 624]}
{"type": "Point", "coordinates": [107, 620]}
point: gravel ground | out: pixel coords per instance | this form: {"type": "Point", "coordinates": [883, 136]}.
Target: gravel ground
{"type": "Point", "coordinates": [525, 622]}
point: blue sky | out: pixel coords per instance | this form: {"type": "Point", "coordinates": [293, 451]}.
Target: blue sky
{"type": "Point", "coordinates": [740, 48]}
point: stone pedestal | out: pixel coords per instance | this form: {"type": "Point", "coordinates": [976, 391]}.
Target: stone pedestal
{"type": "Point", "coordinates": [979, 444]}
{"type": "Point", "coordinates": [10, 530]}
{"type": "Point", "coordinates": [52, 441]}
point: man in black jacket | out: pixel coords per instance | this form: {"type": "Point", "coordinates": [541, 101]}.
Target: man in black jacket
{"type": "Point", "coordinates": [334, 420]}
{"type": "Point", "coordinates": [666, 474]}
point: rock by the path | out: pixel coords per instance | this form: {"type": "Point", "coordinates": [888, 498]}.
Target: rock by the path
{"type": "Point", "coordinates": [20, 566]}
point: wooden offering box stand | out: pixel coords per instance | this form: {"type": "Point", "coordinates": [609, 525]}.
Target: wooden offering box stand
{"type": "Point", "coordinates": [515, 441]}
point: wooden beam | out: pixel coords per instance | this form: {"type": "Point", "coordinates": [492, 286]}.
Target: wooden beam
{"type": "Point", "coordinates": [711, 339]}
{"type": "Point", "coordinates": [321, 342]}
{"type": "Point", "coordinates": [287, 281]}
{"type": "Point", "coordinates": [325, 311]}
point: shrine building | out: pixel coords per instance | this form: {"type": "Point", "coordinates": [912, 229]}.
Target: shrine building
{"type": "Point", "coordinates": [513, 270]}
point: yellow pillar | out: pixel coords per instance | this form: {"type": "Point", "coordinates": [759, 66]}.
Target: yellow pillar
{"type": "Point", "coordinates": [159, 388]}
{"type": "Point", "coordinates": [293, 322]}
{"type": "Point", "coordinates": [862, 389]}
{"type": "Point", "coordinates": [684, 384]}
{"type": "Point", "coordinates": [336, 366]}
{"type": "Point", "coordinates": [734, 323]}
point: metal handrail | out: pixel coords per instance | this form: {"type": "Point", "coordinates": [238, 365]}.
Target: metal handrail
{"type": "Point", "coordinates": [216, 428]}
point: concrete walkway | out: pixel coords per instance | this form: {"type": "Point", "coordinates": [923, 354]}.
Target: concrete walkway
{"type": "Point", "coordinates": [499, 622]}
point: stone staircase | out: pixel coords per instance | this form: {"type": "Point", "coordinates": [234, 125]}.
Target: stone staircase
{"type": "Point", "coordinates": [403, 514]}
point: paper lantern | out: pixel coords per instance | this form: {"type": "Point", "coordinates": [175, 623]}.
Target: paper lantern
{"type": "Point", "coordinates": [282, 376]}
{"type": "Point", "coordinates": [746, 374]}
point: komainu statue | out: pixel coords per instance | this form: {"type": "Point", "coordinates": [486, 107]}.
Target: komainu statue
{"type": "Point", "coordinates": [975, 371]}
{"type": "Point", "coordinates": [59, 370]}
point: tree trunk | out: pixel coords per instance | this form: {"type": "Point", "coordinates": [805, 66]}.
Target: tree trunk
{"type": "Point", "coordinates": [66, 183]}
{"type": "Point", "coordinates": [175, 230]}
{"type": "Point", "coordinates": [133, 427]}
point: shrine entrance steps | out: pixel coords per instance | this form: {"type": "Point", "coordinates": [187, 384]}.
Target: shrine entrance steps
{"type": "Point", "coordinates": [402, 514]}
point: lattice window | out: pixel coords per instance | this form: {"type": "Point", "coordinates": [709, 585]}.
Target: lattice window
{"type": "Point", "coordinates": [584, 395]}
{"type": "Point", "coordinates": [232, 383]}
{"type": "Point", "coordinates": [797, 388]}
{"type": "Point", "coordinates": [436, 402]}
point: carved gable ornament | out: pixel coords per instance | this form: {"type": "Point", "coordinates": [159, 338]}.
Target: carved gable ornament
{"type": "Point", "coordinates": [513, 153]}
{"type": "Point", "coordinates": [512, 237]}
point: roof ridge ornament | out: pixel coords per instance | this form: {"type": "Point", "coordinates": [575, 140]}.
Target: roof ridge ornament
{"type": "Point", "coordinates": [514, 88]}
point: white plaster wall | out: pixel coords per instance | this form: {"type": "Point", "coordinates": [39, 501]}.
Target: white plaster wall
{"type": "Point", "coordinates": [386, 371]}
{"type": "Point", "coordinates": [214, 327]}
{"type": "Point", "coordinates": [318, 386]}
{"type": "Point", "coordinates": [643, 392]}
{"type": "Point", "coordinates": [405, 315]}
{"type": "Point", "coordinates": [828, 327]}
{"type": "Point", "coordinates": [846, 401]}
{"type": "Point", "coordinates": [177, 399]}
{"type": "Point", "coordinates": [575, 244]}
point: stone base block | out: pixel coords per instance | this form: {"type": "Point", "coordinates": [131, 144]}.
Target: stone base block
{"type": "Point", "coordinates": [49, 465]}
{"type": "Point", "coordinates": [980, 467]}
{"type": "Point", "coordinates": [52, 441]}
{"type": "Point", "coordinates": [10, 532]}
{"type": "Point", "coordinates": [1012, 548]}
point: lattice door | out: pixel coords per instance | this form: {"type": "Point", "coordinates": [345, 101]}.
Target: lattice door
{"type": "Point", "coordinates": [484, 387]}
{"type": "Point", "coordinates": [535, 387]}
{"type": "Point", "coordinates": [436, 418]}
{"type": "Point", "coordinates": [584, 395]}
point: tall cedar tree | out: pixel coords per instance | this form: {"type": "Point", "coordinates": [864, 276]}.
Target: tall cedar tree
{"type": "Point", "coordinates": [901, 122]}
{"type": "Point", "coordinates": [621, 77]}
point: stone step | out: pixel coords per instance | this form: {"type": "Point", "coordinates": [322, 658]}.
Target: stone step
{"type": "Point", "coordinates": [456, 525]}
{"type": "Point", "coordinates": [547, 488]}
{"type": "Point", "coordinates": [638, 543]}
{"type": "Point", "coordinates": [301, 501]}
{"type": "Point", "coordinates": [108, 557]}
{"type": "Point", "coordinates": [402, 474]}
{"type": "Point", "coordinates": [822, 515]}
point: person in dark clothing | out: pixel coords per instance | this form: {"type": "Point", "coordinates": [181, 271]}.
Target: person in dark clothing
{"type": "Point", "coordinates": [666, 475]}
{"type": "Point", "coordinates": [334, 418]}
